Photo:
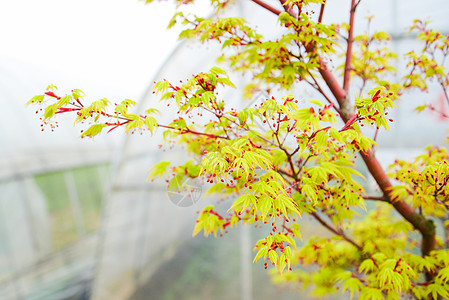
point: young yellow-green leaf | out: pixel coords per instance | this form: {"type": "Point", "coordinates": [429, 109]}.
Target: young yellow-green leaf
{"type": "Point", "coordinates": [152, 111]}
{"type": "Point", "coordinates": [136, 124]}
{"type": "Point", "coordinates": [353, 285]}
{"type": "Point", "coordinates": [285, 238]}
{"type": "Point", "coordinates": [77, 93]}
{"type": "Point", "coordinates": [64, 100]}
{"type": "Point", "coordinates": [443, 275]}
{"type": "Point", "coordinates": [437, 291]}
{"type": "Point", "coordinates": [273, 257]}
{"type": "Point", "coordinates": [289, 203]}
{"type": "Point", "coordinates": [369, 293]}
{"type": "Point", "coordinates": [244, 201]}
{"type": "Point", "coordinates": [158, 169]}
{"type": "Point", "coordinates": [151, 123]}
{"type": "Point", "coordinates": [367, 266]}
{"type": "Point", "coordinates": [37, 98]}
{"type": "Point", "coordinates": [316, 102]}
{"type": "Point", "coordinates": [51, 87]}
{"type": "Point", "coordinates": [99, 105]}
{"type": "Point", "coordinates": [198, 227]}
{"type": "Point", "coordinates": [50, 111]}
{"type": "Point", "coordinates": [93, 130]}
{"type": "Point", "coordinates": [263, 251]}
{"type": "Point", "coordinates": [310, 193]}
{"type": "Point", "coordinates": [216, 70]}
{"type": "Point", "coordinates": [420, 108]}
{"type": "Point", "coordinates": [282, 263]}
{"type": "Point", "coordinates": [227, 82]}
{"type": "Point", "coordinates": [264, 204]}
{"type": "Point", "coordinates": [288, 252]}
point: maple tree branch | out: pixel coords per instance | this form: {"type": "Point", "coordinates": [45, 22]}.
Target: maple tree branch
{"type": "Point", "coordinates": [187, 130]}
{"type": "Point", "coordinates": [320, 90]}
{"type": "Point", "coordinates": [335, 231]}
{"type": "Point", "coordinates": [444, 92]}
{"type": "Point", "coordinates": [347, 69]}
{"type": "Point", "coordinates": [288, 9]}
{"type": "Point", "coordinates": [375, 198]}
{"type": "Point", "coordinates": [424, 226]}
{"type": "Point", "coordinates": [267, 7]}
{"type": "Point", "coordinates": [338, 92]}
{"type": "Point", "coordinates": [320, 18]}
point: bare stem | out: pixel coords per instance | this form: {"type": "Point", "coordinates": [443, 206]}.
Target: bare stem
{"type": "Point", "coordinates": [335, 231]}
{"type": "Point", "coordinates": [444, 92]}
{"type": "Point", "coordinates": [267, 7]}
{"type": "Point", "coordinates": [376, 198]}
{"type": "Point", "coordinates": [320, 18]}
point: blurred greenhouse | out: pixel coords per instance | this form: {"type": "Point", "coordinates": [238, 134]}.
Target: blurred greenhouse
{"type": "Point", "coordinates": [79, 220]}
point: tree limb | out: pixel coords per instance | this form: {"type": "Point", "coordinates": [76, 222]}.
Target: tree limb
{"type": "Point", "coordinates": [335, 231]}
{"type": "Point", "coordinates": [347, 70]}
{"type": "Point", "coordinates": [267, 7]}
{"type": "Point", "coordinates": [425, 227]}
{"type": "Point", "coordinates": [320, 18]}
{"type": "Point", "coordinates": [376, 198]}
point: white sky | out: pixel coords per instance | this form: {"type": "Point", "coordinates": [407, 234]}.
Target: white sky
{"type": "Point", "coordinates": [117, 43]}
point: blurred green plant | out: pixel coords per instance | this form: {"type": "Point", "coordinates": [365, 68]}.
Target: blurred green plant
{"type": "Point", "coordinates": [89, 191]}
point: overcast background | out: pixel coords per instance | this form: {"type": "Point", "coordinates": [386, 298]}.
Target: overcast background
{"type": "Point", "coordinates": [87, 43]}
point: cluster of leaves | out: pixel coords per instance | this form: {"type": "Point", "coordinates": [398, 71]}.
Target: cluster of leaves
{"type": "Point", "coordinates": [96, 114]}
{"type": "Point", "coordinates": [284, 159]}
{"type": "Point", "coordinates": [429, 62]}
{"type": "Point", "coordinates": [424, 182]}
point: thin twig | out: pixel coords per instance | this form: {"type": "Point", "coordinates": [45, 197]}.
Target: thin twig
{"type": "Point", "coordinates": [444, 92]}
{"type": "Point", "coordinates": [335, 231]}
{"type": "Point", "coordinates": [320, 18]}
{"type": "Point", "coordinates": [266, 6]}
{"type": "Point", "coordinates": [320, 90]}
{"type": "Point", "coordinates": [376, 198]}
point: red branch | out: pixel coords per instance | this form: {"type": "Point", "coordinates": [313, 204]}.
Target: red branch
{"type": "Point", "coordinates": [337, 91]}
{"type": "Point", "coordinates": [320, 18]}
{"type": "Point", "coordinates": [289, 9]}
{"type": "Point", "coordinates": [335, 231]}
{"type": "Point", "coordinates": [347, 70]}
{"type": "Point", "coordinates": [187, 130]}
{"type": "Point", "coordinates": [66, 109]}
{"type": "Point", "coordinates": [51, 94]}
{"type": "Point", "coordinates": [425, 227]}
{"type": "Point", "coordinates": [267, 7]}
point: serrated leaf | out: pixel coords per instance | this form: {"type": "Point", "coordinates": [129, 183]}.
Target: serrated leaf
{"type": "Point", "coordinates": [273, 257]}
{"type": "Point", "coordinates": [151, 123]}
{"type": "Point", "coordinates": [261, 253]}
{"type": "Point", "coordinates": [50, 111]}
{"type": "Point", "coordinates": [37, 98]}
{"type": "Point", "coordinates": [158, 169]}
{"type": "Point", "coordinates": [93, 130]}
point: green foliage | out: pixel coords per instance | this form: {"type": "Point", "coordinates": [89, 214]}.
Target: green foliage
{"type": "Point", "coordinates": [284, 159]}
{"type": "Point", "coordinates": [424, 182]}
